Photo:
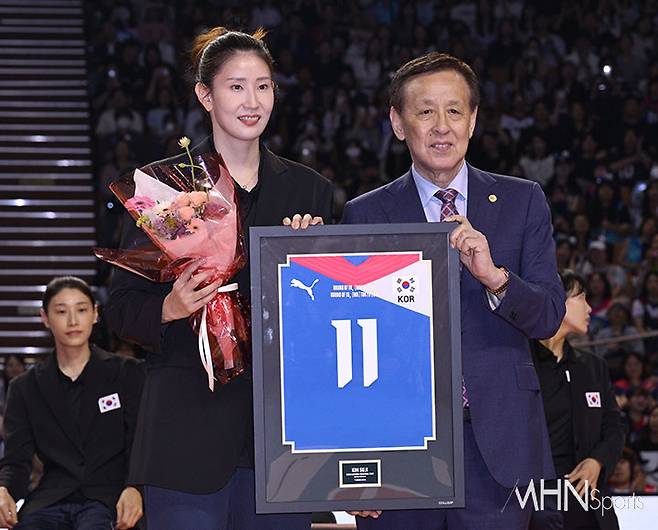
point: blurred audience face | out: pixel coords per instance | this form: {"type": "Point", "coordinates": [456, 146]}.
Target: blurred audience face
{"type": "Point", "coordinates": [437, 122]}
{"type": "Point", "coordinates": [563, 252]}
{"type": "Point", "coordinates": [576, 319]}
{"type": "Point", "coordinates": [598, 256]}
{"type": "Point", "coordinates": [241, 97]}
{"type": "Point", "coordinates": [70, 316]}
{"type": "Point", "coordinates": [596, 286]}
{"type": "Point", "coordinates": [618, 316]}
{"type": "Point", "coordinates": [638, 401]}
{"type": "Point", "coordinates": [538, 147]}
{"type": "Point", "coordinates": [632, 367]}
{"type": "Point", "coordinates": [605, 193]}
{"type": "Point", "coordinates": [563, 170]}
{"type": "Point", "coordinates": [621, 476]}
{"type": "Point", "coordinates": [581, 224]}
{"type": "Point", "coordinates": [13, 367]}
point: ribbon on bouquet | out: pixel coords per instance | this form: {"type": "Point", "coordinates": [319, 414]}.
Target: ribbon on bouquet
{"type": "Point", "coordinates": [205, 351]}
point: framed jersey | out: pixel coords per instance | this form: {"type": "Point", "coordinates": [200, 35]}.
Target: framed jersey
{"type": "Point", "coordinates": [356, 368]}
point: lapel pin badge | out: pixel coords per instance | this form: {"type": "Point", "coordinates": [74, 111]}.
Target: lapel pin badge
{"type": "Point", "coordinates": [109, 402]}
{"type": "Point", "coordinates": [492, 198]}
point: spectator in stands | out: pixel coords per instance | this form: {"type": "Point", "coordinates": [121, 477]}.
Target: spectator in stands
{"type": "Point", "coordinates": [650, 201]}
{"type": "Point", "coordinates": [631, 251]}
{"type": "Point", "coordinates": [203, 477]}
{"type": "Point", "coordinates": [165, 118]}
{"type": "Point", "coordinates": [14, 366]}
{"type": "Point", "coordinates": [119, 117]}
{"type": "Point", "coordinates": [641, 484]}
{"type": "Point", "coordinates": [562, 191]}
{"type": "Point", "coordinates": [582, 235]}
{"type": "Point", "coordinates": [599, 297]}
{"type": "Point", "coordinates": [564, 252]}
{"type": "Point", "coordinates": [607, 211]}
{"type": "Point", "coordinates": [646, 447]}
{"type": "Point", "coordinates": [645, 311]}
{"type": "Point", "coordinates": [635, 413]}
{"type": "Point", "coordinates": [621, 480]}
{"type": "Point", "coordinates": [619, 318]}
{"type": "Point", "coordinates": [633, 374]}
{"type": "Point", "coordinates": [538, 164]}
{"type": "Point", "coordinates": [598, 261]}
{"type": "Point", "coordinates": [586, 442]}
{"type": "Point", "coordinates": [76, 411]}
{"type": "Point", "coordinates": [517, 119]}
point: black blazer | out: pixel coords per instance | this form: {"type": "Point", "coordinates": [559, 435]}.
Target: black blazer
{"type": "Point", "coordinates": [598, 431]}
{"type": "Point", "coordinates": [38, 420]}
{"type": "Point", "coordinates": [188, 438]}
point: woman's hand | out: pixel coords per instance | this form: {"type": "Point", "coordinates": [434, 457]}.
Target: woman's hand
{"type": "Point", "coordinates": [129, 508]}
{"type": "Point", "coordinates": [367, 513]}
{"type": "Point", "coordinates": [7, 509]}
{"type": "Point", "coordinates": [304, 222]}
{"type": "Point", "coordinates": [585, 475]}
{"type": "Point", "coordinates": [184, 298]}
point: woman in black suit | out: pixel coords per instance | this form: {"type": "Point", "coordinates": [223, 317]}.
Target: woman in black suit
{"type": "Point", "coordinates": [584, 422]}
{"type": "Point", "coordinates": [193, 448]}
{"type": "Point", "coordinates": [77, 412]}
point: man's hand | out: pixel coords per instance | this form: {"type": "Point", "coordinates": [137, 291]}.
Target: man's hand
{"type": "Point", "coordinates": [587, 470]}
{"type": "Point", "coordinates": [366, 513]}
{"type": "Point", "coordinates": [474, 253]}
{"type": "Point", "coordinates": [304, 222]}
{"type": "Point", "coordinates": [8, 516]}
{"type": "Point", "coordinates": [184, 298]}
{"type": "Point", "coordinates": [129, 508]}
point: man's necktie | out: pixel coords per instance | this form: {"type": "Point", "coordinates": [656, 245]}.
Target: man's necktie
{"type": "Point", "coordinates": [447, 197]}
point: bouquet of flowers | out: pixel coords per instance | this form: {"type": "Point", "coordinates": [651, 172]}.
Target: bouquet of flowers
{"type": "Point", "coordinates": [188, 212]}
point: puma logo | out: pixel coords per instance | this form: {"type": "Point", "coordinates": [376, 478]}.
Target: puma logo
{"type": "Point", "coordinates": [309, 289]}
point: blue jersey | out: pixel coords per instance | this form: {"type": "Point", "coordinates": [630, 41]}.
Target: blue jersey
{"type": "Point", "coordinates": [357, 352]}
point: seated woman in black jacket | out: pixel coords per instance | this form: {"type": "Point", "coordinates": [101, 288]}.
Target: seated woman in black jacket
{"type": "Point", "coordinates": [77, 412]}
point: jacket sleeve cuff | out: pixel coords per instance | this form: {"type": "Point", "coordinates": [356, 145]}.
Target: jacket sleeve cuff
{"type": "Point", "coordinates": [154, 328]}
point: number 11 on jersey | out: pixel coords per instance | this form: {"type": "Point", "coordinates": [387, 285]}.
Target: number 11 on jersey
{"type": "Point", "coordinates": [344, 350]}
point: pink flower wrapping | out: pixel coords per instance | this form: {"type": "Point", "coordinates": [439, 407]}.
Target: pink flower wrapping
{"type": "Point", "coordinates": [182, 227]}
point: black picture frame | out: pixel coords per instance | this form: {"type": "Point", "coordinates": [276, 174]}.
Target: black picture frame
{"type": "Point", "coordinates": [289, 479]}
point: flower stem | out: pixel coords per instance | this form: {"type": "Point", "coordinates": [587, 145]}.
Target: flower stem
{"type": "Point", "coordinates": [189, 155]}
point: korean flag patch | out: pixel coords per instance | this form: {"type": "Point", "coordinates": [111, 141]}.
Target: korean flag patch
{"type": "Point", "coordinates": [593, 399]}
{"type": "Point", "coordinates": [109, 402]}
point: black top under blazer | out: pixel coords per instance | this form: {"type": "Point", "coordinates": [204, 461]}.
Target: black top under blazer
{"type": "Point", "coordinates": [188, 438]}
{"type": "Point", "coordinates": [90, 457]}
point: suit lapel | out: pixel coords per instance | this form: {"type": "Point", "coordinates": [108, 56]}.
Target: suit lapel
{"type": "Point", "coordinates": [402, 202]}
{"type": "Point", "coordinates": [274, 189]}
{"type": "Point", "coordinates": [482, 212]}
{"type": "Point", "coordinates": [50, 386]}
{"type": "Point", "coordinates": [274, 184]}
{"type": "Point", "coordinates": [95, 387]}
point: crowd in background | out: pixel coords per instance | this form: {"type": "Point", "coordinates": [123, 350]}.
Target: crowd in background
{"type": "Point", "coordinates": [569, 99]}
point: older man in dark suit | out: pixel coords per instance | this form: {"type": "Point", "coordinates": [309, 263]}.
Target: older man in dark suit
{"type": "Point", "coordinates": [510, 289]}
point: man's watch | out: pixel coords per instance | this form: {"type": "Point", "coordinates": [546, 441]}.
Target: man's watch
{"type": "Point", "coordinates": [500, 290]}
